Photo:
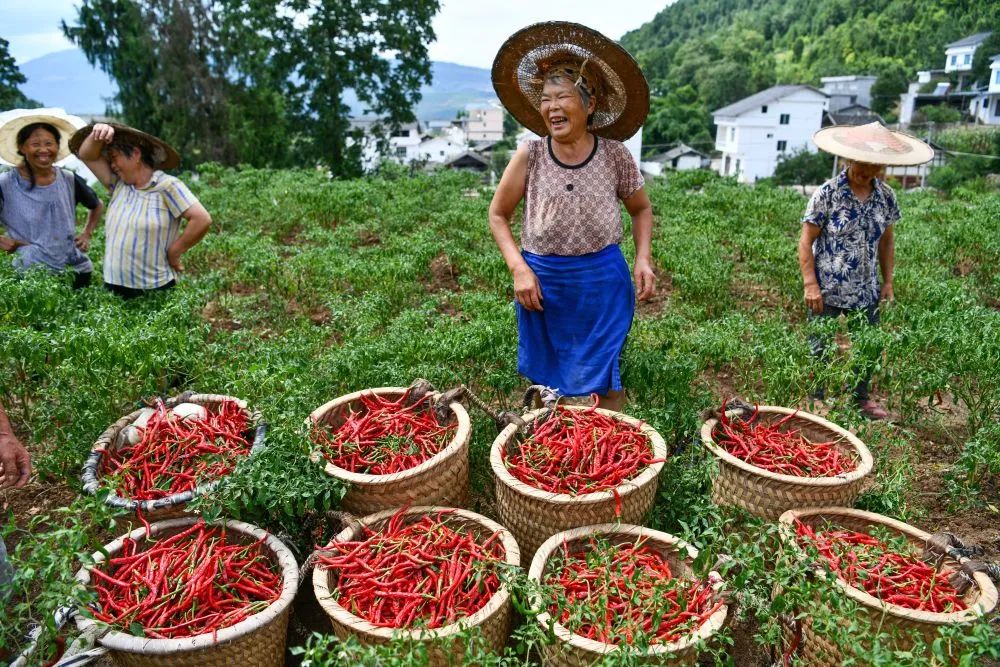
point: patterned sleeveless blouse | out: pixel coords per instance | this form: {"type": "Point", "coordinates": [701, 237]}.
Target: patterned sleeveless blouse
{"type": "Point", "coordinates": [574, 210]}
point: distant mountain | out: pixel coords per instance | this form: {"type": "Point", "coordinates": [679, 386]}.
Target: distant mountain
{"type": "Point", "coordinates": [65, 79]}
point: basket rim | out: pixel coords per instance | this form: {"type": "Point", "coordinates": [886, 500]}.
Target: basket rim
{"type": "Point", "coordinates": [122, 641]}
{"type": "Point", "coordinates": [646, 475]}
{"type": "Point", "coordinates": [324, 595]}
{"type": "Point", "coordinates": [985, 604]}
{"type": "Point", "coordinates": [864, 467]}
{"type": "Point", "coordinates": [714, 623]}
{"type": "Point", "coordinates": [460, 438]}
{"type": "Point", "coordinates": [92, 483]}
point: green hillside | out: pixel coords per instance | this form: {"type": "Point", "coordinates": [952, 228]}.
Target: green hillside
{"type": "Point", "coordinates": [700, 55]}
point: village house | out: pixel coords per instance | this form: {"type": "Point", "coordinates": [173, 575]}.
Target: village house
{"type": "Point", "coordinates": [484, 122]}
{"type": "Point", "coordinates": [755, 132]}
{"type": "Point", "coordinates": [985, 106]}
{"type": "Point", "coordinates": [964, 96]}
{"type": "Point", "coordinates": [848, 91]}
{"type": "Point", "coordinates": [679, 158]}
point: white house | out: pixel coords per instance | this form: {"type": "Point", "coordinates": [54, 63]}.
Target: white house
{"type": "Point", "coordinates": [985, 107]}
{"type": "Point", "coordinates": [958, 55]}
{"type": "Point", "coordinates": [403, 144]}
{"type": "Point", "coordinates": [484, 122]}
{"type": "Point", "coordinates": [679, 158]}
{"type": "Point", "coordinates": [757, 130]}
{"type": "Point", "coordinates": [847, 91]}
{"type": "Point", "coordinates": [439, 149]}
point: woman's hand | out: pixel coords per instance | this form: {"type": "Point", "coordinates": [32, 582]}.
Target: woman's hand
{"type": "Point", "coordinates": [527, 289]}
{"type": "Point", "coordinates": [7, 244]}
{"type": "Point", "coordinates": [174, 253]}
{"type": "Point", "coordinates": [814, 298]}
{"type": "Point", "coordinates": [82, 242]}
{"type": "Point", "coordinates": [103, 132]}
{"type": "Point", "coordinates": [645, 279]}
{"type": "Point", "coordinates": [887, 292]}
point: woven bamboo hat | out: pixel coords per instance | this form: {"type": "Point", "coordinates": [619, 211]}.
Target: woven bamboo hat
{"type": "Point", "coordinates": [15, 121]}
{"type": "Point", "coordinates": [609, 73]}
{"type": "Point", "coordinates": [164, 155]}
{"type": "Point", "coordinates": [874, 144]}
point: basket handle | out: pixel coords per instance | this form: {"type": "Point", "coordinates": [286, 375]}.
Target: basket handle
{"type": "Point", "coordinates": [735, 403]}
{"type": "Point", "coordinates": [944, 544]}
{"type": "Point", "coordinates": [346, 520]}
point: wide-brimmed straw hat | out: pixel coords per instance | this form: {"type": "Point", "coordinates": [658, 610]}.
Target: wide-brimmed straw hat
{"type": "Point", "coordinates": [874, 144]}
{"type": "Point", "coordinates": [12, 122]}
{"type": "Point", "coordinates": [164, 155]}
{"type": "Point", "coordinates": [611, 74]}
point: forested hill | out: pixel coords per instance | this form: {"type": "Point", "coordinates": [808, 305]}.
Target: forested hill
{"type": "Point", "coordinates": [700, 55]}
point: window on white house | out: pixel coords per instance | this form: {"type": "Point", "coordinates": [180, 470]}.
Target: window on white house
{"type": "Point", "coordinates": [400, 151]}
{"type": "Point", "coordinates": [967, 59]}
{"type": "Point", "coordinates": [770, 135]}
{"type": "Point", "coordinates": [954, 60]}
{"type": "Point", "coordinates": [784, 119]}
{"type": "Point", "coordinates": [442, 152]}
{"type": "Point", "coordinates": [998, 76]}
{"type": "Point", "coordinates": [763, 109]}
{"type": "Point", "coordinates": [782, 145]}
{"type": "Point", "coordinates": [732, 134]}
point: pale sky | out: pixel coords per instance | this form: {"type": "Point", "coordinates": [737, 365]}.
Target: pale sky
{"type": "Point", "coordinates": [468, 32]}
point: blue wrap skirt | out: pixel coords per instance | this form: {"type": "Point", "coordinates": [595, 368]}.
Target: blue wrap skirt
{"type": "Point", "coordinates": [575, 344]}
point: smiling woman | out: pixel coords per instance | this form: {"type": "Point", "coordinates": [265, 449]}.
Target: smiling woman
{"type": "Point", "coordinates": [575, 301]}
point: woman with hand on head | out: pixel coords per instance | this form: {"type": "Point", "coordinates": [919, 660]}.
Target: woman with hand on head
{"type": "Point", "coordinates": [583, 94]}
{"type": "Point", "coordinates": [145, 231]}
{"type": "Point", "coordinates": [38, 199]}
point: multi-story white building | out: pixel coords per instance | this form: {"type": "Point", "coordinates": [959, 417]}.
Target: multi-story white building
{"type": "Point", "coordinates": [484, 122]}
{"type": "Point", "coordinates": [440, 149]}
{"type": "Point", "coordinates": [402, 144]}
{"type": "Point", "coordinates": [756, 131]}
{"type": "Point", "coordinates": [958, 55]}
{"type": "Point", "coordinates": [848, 91]}
{"type": "Point", "coordinates": [985, 107]}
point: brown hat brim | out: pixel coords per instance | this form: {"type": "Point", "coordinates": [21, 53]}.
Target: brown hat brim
{"type": "Point", "coordinates": [164, 155]}
{"type": "Point", "coordinates": [622, 98]}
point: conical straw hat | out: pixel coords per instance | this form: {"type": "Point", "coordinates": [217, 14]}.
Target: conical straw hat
{"type": "Point", "coordinates": [874, 144]}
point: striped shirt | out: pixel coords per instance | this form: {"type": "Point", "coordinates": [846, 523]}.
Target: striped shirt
{"type": "Point", "coordinates": [141, 224]}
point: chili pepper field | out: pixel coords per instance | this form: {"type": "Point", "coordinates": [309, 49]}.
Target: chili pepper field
{"type": "Point", "coordinates": [308, 289]}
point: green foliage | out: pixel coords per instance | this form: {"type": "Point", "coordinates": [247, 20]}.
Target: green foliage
{"type": "Point", "coordinates": [11, 96]}
{"type": "Point", "coordinates": [803, 167]}
{"type": "Point", "coordinates": [977, 469]}
{"type": "Point", "coordinates": [258, 83]}
{"type": "Point", "coordinates": [727, 50]}
{"type": "Point", "coordinates": [939, 114]}
{"type": "Point", "coordinates": [981, 60]}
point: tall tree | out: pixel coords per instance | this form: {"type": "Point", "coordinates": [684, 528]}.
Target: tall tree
{"type": "Point", "coordinates": [10, 78]}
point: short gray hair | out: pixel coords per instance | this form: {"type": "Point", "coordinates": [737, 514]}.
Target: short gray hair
{"type": "Point", "coordinates": [560, 78]}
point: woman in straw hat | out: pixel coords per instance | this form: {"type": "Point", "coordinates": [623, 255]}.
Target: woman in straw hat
{"type": "Point", "coordinates": [38, 199]}
{"type": "Point", "coordinates": [144, 239]}
{"type": "Point", "coordinates": [847, 235]}
{"type": "Point", "coordinates": [583, 94]}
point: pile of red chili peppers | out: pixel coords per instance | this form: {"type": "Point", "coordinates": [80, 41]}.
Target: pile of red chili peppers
{"type": "Point", "coordinates": [185, 585]}
{"type": "Point", "coordinates": [385, 436]}
{"type": "Point", "coordinates": [174, 454]}
{"type": "Point", "coordinates": [580, 451]}
{"type": "Point", "coordinates": [786, 452]}
{"type": "Point", "coordinates": [615, 593]}
{"type": "Point", "coordinates": [424, 574]}
{"type": "Point", "coordinates": [868, 564]}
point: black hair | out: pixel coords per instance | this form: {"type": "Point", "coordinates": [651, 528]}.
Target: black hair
{"type": "Point", "coordinates": [125, 146]}
{"type": "Point", "coordinates": [22, 136]}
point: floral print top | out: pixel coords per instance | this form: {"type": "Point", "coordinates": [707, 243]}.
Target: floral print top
{"type": "Point", "coordinates": [847, 248]}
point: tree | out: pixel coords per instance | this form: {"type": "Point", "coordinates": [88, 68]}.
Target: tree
{"type": "Point", "coordinates": [981, 60]}
{"type": "Point", "coordinates": [802, 167]}
{"type": "Point", "coordinates": [10, 78]}
{"type": "Point", "coordinates": [892, 81]}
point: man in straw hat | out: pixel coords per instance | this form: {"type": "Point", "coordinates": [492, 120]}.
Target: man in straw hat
{"type": "Point", "coordinates": [583, 94]}
{"type": "Point", "coordinates": [847, 234]}
{"type": "Point", "coordinates": [38, 199]}
{"type": "Point", "coordinates": [144, 240]}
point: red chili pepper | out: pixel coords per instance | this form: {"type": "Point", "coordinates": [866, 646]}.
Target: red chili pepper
{"type": "Point", "coordinates": [174, 455]}
{"type": "Point", "coordinates": [424, 574]}
{"type": "Point", "coordinates": [896, 578]}
{"type": "Point", "coordinates": [580, 451]}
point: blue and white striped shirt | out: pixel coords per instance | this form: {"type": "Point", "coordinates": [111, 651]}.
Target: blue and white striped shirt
{"type": "Point", "coordinates": [141, 224]}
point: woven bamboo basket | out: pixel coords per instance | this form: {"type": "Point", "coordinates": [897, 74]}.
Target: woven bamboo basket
{"type": "Point", "coordinates": [174, 505]}
{"type": "Point", "coordinates": [441, 480]}
{"type": "Point", "coordinates": [534, 515]}
{"type": "Point", "coordinates": [572, 650]}
{"type": "Point", "coordinates": [816, 650]}
{"type": "Point", "coordinates": [493, 621]}
{"type": "Point", "coordinates": [767, 494]}
{"type": "Point", "coordinates": [258, 641]}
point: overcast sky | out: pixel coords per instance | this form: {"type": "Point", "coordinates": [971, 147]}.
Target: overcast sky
{"type": "Point", "coordinates": [468, 32]}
